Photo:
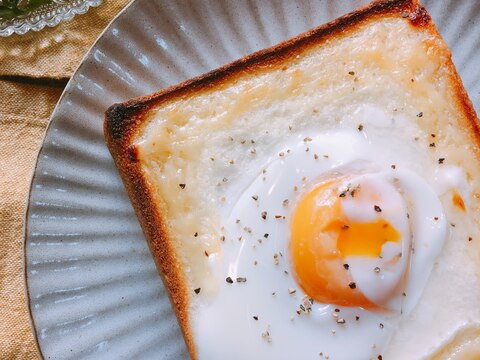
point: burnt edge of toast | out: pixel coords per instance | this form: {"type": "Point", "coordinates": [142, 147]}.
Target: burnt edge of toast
{"type": "Point", "coordinates": [123, 121]}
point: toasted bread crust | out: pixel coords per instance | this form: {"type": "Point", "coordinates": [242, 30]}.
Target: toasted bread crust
{"type": "Point", "coordinates": [124, 121]}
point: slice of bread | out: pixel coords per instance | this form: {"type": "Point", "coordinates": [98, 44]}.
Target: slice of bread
{"type": "Point", "coordinates": [185, 152]}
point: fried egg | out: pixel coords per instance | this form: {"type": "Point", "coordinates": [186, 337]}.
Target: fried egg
{"type": "Point", "coordinates": [329, 245]}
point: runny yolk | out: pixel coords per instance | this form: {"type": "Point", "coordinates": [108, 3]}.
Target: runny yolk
{"type": "Point", "coordinates": [321, 239]}
{"type": "Point", "coordinates": [362, 239]}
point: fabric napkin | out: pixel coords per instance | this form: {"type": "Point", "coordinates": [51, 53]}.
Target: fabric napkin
{"type": "Point", "coordinates": [56, 52]}
{"type": "Point", "coordinates": [24, 113]}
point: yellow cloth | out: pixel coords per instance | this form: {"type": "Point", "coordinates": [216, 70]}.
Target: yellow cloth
{"type": "Point", "coordinates": [56, 52]}
{"type": "Point", "coordinates": [20, 136]}
{"type": "Point", "coordinates": [25, 107]}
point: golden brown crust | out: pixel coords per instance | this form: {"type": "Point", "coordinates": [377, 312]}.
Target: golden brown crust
{"type": "Point", "coordinates": [123, 118]}
{"type": "Point", "coordinates": [154, 228]}
{"type": "Point", "coordinates": [123, 122]}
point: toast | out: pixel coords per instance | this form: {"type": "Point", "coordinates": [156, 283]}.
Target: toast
{"type": "Point", "coordinates": [179, 150]}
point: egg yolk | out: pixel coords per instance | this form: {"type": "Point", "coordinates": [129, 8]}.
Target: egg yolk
{"type": "Point", "coordinates": [458, 200]}
{"type": "Point", "coordinates": [322, 237]}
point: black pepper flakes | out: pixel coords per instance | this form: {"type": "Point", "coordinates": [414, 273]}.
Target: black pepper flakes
{"type": "Point", "coordinates": [470, 238]}
{"type": "Point", "coordinates": [182, 186]}
{"type": "Point", "coordinates": [266, 336]}
{"type": "Point", "coordinates": [264, 215]}
{"type": "Point", "coordinates": [352, 193]}
{"type": "Point", "coordinates": [393, 167]}
{"type": "Point", "coordinates": [265, 235]}
{"type": "Point", "coordinates": [360, 127]}
{"type": "Point", "coordinates": [377, 208]}
{"type": "Point", "coordinates": [441, 160]}
{"type": "Point", "coordinates": [432, 144]}
{"type": "Point", "coordinates": [352, 73]}
{"type": "Point", "coordinates": [229, 280]}
{"type": "Point", "coordinates": [275, 259]}
{"type": "Point", "coordinates": [255, 317]}
{"type": "Point", "coordinates": [352, 285]}
{"type": "Point", "coordinates": [357, 318]}
{"type": "Point", "coordinates": [197, 291]}
{"type": "Point", "coordinates": [381, 326]}
{"type": "Point", "coordinates": [255, 197]}
{"type": "Point", "coordinates": [241, 279]}
{"type": "Point", "coordinates": [346, 266]}
{"type": "Point", "coordinates": [420, 114]}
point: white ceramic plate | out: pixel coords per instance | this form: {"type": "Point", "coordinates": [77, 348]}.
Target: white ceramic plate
{"type": "Point", "coordinates": [93, 288]}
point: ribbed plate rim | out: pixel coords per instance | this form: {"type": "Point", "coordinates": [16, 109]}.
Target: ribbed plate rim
{"type": "Point", "coordinates": [67, 88]}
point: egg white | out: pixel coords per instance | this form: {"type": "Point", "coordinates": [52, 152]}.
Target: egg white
{"type": "Point", "coordinates": [262, 317]}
